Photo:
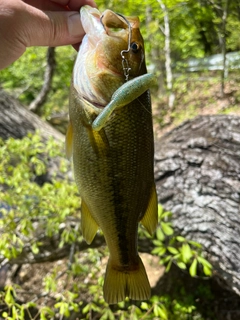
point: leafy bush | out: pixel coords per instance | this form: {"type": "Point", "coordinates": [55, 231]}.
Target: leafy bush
{"type": "Point", "coordinates": [176, 249]}
{"type": "Point", "coordinates": [32, 213]}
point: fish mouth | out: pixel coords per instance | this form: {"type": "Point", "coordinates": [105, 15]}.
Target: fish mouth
{"type": "Point", "coordinates": [90, 18]}
{"type": "Point", "coordinates": [99, 68]}
{"type": "Point", "coordinates": [109, 23]}
{"type": "Point", "coordinates": [114, 23]}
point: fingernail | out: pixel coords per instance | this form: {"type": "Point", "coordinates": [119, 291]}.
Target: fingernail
{"type": "Point", "coordinates": [75, 26]}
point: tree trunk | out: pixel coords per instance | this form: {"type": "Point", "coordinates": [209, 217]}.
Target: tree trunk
{"type": "Point", "coordinates": [48, 76]}
{"type": "Point", "coordinates": [224, 36]}
{"type": "Point", "coordinates": [167, 49]}
{"type": "Point", "coordinates": [221, 9]}
{"type": "Point", "coordinates": [16, 121]}
{"type": "Point", "coordinates": [155, 52]}
{"type": "Point", "coordinates": [197, 171]}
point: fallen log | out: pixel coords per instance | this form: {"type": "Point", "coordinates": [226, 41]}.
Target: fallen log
{"type": "Point", "coordinates": [16, 120]}
{"type": "Point", "coordinates": [197, 172]}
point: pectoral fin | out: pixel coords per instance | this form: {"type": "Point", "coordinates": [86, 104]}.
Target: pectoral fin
{"type": "Point", "coordinates": [99, 142]}
{"type": "Point", "coordinates": [69, 141]}
{"type": "Point", "coordinates": [150, 218]}
{"type": "Point", "coordinates": [89, 225]}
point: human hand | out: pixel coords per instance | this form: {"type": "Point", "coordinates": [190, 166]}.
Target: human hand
{"type": "Point", "coordinates": [38, 23]}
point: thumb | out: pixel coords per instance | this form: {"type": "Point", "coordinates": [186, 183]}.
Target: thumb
{"type": "Point", "coordinates": [22, 26]}
{"type": "Point", "coordinates": [51, 28]}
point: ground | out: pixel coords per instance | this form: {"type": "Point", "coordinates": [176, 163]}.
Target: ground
{"type": "Point", "coordinates": [196, 95]}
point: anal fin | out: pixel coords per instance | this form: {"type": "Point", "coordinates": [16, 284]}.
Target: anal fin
{"type": "Point", "coordinates": [88, 223]}
{"type": "Point", "coordinates": [150, 218]}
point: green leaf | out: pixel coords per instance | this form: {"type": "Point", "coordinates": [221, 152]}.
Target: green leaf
{"type": "Point", "coordinates": [207, 271]}
{"type": "Point", "coordinates": [168, 266]}
{"type": "Point", "coordinates": [86, 309]}
{"type": "Point", "coordinates": [193, 268]}
{"type": "Point", "coordinates": [160, 311]}
{"type": "Point", "coordinates": [9, 299]}
{"type": "Point", "coordinates": [46, 311]}
{"type": "Point", "coordinates": [22, 312]}
{"type": "Point", "coordinates": [180, 239]}
{"type": "Point", "coordinates": [158, 243]}
{"type": "Point", "coordinates": [166, 214]}
{"type": "Point", "coordinates": [196, 244]}
{"type": "Point", "coordinates": [172, 250]}
{"type": "Point", "coordinates": [160, 210]}
{"type": "Point", "coordinates": [186, 252]}
{"type": "Point", "coordinates": [160, 235]}
{"type": "Point", "coordinates": [159, 251]}
{"type": "Point", "coordinates": [42, 316]}
{"type": "Point", "coordinates": [181, 265]}
{"type": "Point", "coordinates": [108, 315]}
{"type": "Point", "coordinates": [144, 306]}
{"type": "Point", "coordinates": [35, 248]}
{"type": "Point", "coordinates": [204, 262]}
{"type": "Point", "coordinates": [166, 228]}
{"type": "Point", "coordinates": [163, 313]}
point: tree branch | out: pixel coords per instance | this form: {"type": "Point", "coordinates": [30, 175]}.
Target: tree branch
{"type": "Point", "coordinates": [50, 68]}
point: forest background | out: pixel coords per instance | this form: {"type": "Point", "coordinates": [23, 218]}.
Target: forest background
{"type": "Point", "coordinates": [175, 32]}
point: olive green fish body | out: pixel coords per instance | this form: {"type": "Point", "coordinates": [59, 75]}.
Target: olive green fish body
{"type": "Point", "coordinates": [113, 167]}
{"type": "Point", "coordinates": [114, 171]}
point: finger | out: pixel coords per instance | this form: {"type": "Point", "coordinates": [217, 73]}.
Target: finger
{"type": "Point", "coordinates": [59, 5]}
{"type": "Point", "coordinates": [76, 46]}
{"type": "Point", "coordinates": [46, 5]}
{"type": "Point", "coordinates": [50, 28]}
{"type": "Point", "coordinates": [75, 4]}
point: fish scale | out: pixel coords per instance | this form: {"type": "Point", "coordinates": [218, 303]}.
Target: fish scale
{"type": "Point", "coordinates": [113, 162]}
{"type": "Point", "coordinates": [117, 173]}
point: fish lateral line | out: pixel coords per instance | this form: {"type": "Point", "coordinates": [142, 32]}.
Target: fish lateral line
{"type": "Point", "coordinates": [124, 95]}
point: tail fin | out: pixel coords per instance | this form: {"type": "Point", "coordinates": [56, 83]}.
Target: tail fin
{"type": "Point", "coordinates": [121, 284]}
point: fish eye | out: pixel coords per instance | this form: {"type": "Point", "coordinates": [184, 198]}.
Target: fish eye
{"type": "Point", "coordinates": [135, 47]}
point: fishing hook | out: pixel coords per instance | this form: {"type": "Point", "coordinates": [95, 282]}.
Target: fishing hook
{"type": "Point", "coordinates": [125, 64]}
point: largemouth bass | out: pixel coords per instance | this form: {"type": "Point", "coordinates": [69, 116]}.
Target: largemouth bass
{"type": "Point", "coordinates": [110, 137]}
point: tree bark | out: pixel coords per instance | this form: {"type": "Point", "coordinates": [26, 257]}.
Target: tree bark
{"type": "Point", "coordinates": [224, 51]}
{"type": "Point", "coordinates": [197, 171]}
{"type": "Point", "coordinates": [155, 52]}
{"type": "Point", "coordinates": [16, 121]}
{"type": "Point", "coordinates": [48, 76]}
{"type": "Point", "coordinates": [167, 49]}
{"type": "Point", "coordinates": [221, 7]}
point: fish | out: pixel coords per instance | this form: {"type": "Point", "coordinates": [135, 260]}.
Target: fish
{"type": "Point", "coordinates": [110, 139]}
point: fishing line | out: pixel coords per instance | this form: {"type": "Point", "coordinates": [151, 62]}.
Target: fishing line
{"type": "Point", "coordinates": [150, 112]}
{"type": "Point", "coordinates": [125, 64]}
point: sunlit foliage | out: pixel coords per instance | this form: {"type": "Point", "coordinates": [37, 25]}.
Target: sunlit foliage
{"type": "Point", "coordinates": [32, 212]}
